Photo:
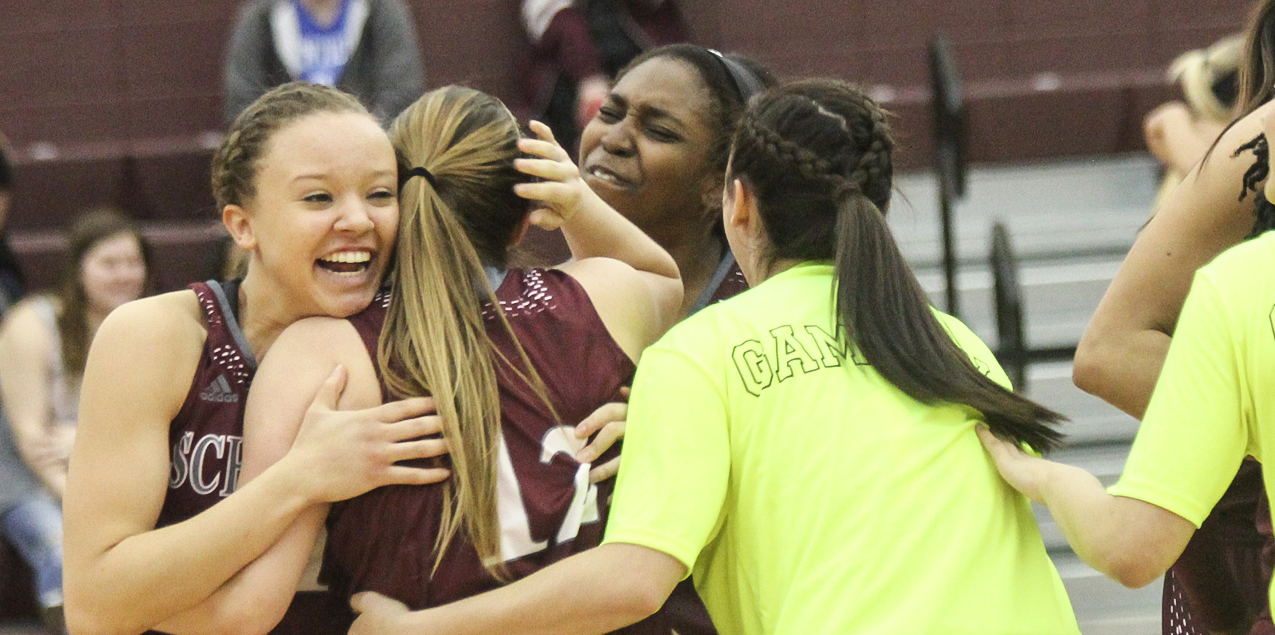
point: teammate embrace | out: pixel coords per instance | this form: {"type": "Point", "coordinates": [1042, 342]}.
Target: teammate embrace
{"type": "Point", "coordinates": [808, 450]}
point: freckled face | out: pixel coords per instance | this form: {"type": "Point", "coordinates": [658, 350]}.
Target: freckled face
{"type": "Point", "coordinates": [646, 153]}
{"type": "Point", "coordinates": [325, 214]}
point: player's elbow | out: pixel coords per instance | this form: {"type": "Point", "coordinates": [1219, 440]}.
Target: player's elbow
{"type": "Point", "coordinates": [1121, 560]}
{"type": "Point", "coordinates": [642, 599]}
{"type": "Point", "coordinates": [645, 595]}
{"type": "Point", "coordinates": [246, 618]}
{"type": "Point", "coordinates": [82, 622]}
{"type": "Point", "coordinates": [649, 578]}
{"type": "Point", "coordinates": [1133, 573]}
{"type": "Point", "coordinates": [1088, 369]}
{"type": "Point", "coordinates": [86, 614]}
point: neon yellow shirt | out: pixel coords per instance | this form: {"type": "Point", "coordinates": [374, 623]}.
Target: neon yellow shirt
{"type": "Point", "coordinates": [1214, 403]}
{"type": "Point", "coordinates": [808, 495]}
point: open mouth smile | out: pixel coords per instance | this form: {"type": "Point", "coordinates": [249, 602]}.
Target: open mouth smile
{"type": "Point", "coordinates": [346, 262]}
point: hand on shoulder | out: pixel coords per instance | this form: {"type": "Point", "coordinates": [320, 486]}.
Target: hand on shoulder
{"type": "Point", "coordinates": [300, 414]}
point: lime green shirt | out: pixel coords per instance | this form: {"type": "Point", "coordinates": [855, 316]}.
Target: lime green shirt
{"type": "Point", "coordinates": [808, 495]}
{"type": "Point", "coordinates": [1209, 409]}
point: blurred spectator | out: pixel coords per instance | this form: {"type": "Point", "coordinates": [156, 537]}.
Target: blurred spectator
{"type": "Point", "coordinates": [1179, 133]}
{"type": "Point", "coordinates": [367, 48]}
{"type": "Point", "coordinates": [43, 346]}
{"type": "Point", "coordinates": [11, 280]}
{"type": "Point", "coordinates": [17, 483]}
{"type": "Point", "coordinates": [575, 46]}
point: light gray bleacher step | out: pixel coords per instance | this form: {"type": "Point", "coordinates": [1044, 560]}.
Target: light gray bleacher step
{"type": "Point", "coordinates": [1059, 297]}
{"type": "Point", "coordinates": [1092, 420]}
{"type": "Point", "coordinates": [1059, 209]}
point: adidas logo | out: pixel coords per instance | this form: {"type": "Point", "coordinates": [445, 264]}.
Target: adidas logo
{"type": "Point", "coordinates": [218, 390]}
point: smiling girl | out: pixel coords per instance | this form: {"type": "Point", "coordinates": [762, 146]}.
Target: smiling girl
{"type": "Point", "coordinates": [155, 527]}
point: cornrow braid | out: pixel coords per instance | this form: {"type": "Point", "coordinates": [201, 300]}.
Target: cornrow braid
{"type": "Point", "coordinates": [853, 148]}
{"type": "Point", "coordinates": [234, 166]}
{"type": "Point", "coordinates": [817, 156]}
{"type": "Point", "coordinates": [807, 162]}
{"type": "Point", "coordinates": [874, 164]}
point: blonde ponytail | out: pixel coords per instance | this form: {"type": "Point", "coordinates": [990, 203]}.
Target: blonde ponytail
{"type": "Point", "coordinates": [435, 341]}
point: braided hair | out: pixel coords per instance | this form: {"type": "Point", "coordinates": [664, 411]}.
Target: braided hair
{"type": "Point", "coordinates": [234, 166]}
{"type": "Point", "coordinates": [817, 155]}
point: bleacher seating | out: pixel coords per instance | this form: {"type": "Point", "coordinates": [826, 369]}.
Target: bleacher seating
{"type": "Point", "coordinates": [119, 103]}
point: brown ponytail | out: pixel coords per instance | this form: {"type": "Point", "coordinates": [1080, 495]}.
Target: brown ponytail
{"type": "Point", "coordinates": [817, 155]}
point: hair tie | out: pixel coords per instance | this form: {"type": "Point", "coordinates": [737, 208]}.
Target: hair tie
{"type": "Point", "coordinates": [418, 171]}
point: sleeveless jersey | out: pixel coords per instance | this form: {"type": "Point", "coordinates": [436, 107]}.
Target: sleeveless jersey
{"type": "Point", "coordinates": [384, 540]}
{"type": "Point", "coordinates": [206, 437]}
{"type": "Point", "coordinates": [206, 443]}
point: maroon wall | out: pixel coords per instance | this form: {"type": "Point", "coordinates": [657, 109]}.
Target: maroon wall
{"type": "Point", "coordinates": [119, 101]}
{"type": "Point", "coordinates": [84, 71]}
{"type": "Point", "coordinates": [1105, 61]}
{"type": "Point", "coordinates": [79, 72]}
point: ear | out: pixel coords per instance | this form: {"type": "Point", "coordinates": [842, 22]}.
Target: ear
{"type": "Point", "coordinates": [237, 222]}
{"type": "Point", "coordinates": [740, 209]}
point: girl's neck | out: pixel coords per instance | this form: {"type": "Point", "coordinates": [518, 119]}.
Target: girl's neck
{"type": "Point", "coordinates": [261, 319]}
{"type": "Point", "coordinates": [697, 258]}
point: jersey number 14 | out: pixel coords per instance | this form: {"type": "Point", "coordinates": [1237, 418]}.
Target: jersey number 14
{"type": "Point", "coordinates": [515, 526]}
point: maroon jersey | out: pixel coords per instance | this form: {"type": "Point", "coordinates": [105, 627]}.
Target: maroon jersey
{"type": "Point", "coordinates": [384, 540]}
{"type": "Point", "coordinates": [206, 436]}
{"type": "Point", "coordinates": [727, 282]}
{"type": "Point", "coordinates": [206, 442]}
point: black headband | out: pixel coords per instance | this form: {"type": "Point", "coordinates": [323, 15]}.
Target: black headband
{"type": "Point", "coordinates": [746, 83]}
{"type": "Point", "coordinates": [418, 171]}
